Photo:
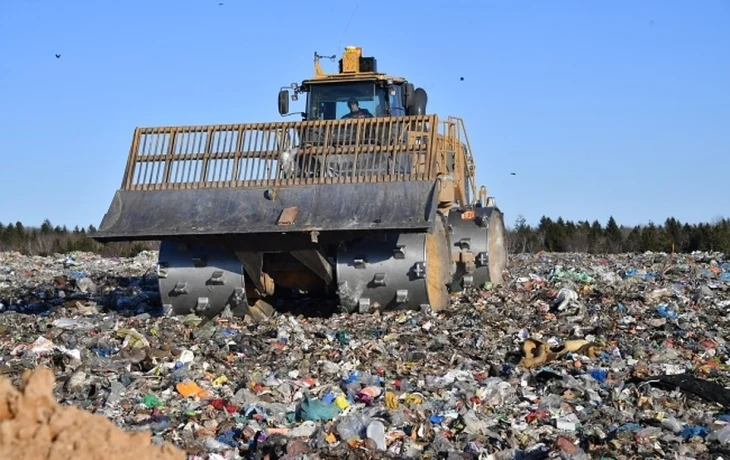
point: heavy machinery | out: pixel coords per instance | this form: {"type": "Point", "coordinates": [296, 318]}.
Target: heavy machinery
{"type": "Point", "coordinates": [375, 212]}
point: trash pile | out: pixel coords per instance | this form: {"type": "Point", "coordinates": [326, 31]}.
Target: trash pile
{"type": "Point", "coordinates": [577, 356]}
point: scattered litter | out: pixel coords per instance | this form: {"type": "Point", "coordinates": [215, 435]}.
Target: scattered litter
{"type": "Point", "coordinates": [577, 356]}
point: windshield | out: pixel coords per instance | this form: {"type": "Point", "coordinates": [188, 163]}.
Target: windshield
{"type": "Point", "coordinates": [328, 101]}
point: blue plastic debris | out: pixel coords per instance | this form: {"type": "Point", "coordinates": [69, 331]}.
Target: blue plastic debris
{"type": "Point", "coordinates": [352, 377]}
{"type": "Point", "coordinates": [629, 427]}
{"type": "Point", "coordinates": [690, 431]}
{"type": "Point", "coordinates": [436, 419]}
{"type": "Point", "coordinates": [317, 410]}
{"type": "Point", "coordinates": [229, 437]}
{"type": "Point", "coordinates": [599, 374]}
{"type": "Point", "coordinates": [103, 352]}
{"type": "Point", "coordinates": [666, 312]}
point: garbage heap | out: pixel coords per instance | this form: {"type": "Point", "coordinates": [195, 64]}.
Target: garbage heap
{"type": "Point", "coordinates": [576, 356]}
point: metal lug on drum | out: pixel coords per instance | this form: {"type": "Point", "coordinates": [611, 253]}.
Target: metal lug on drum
{"type": "Point", "coordinates": [207, 287]}
{"type": "Point", "coordinates": [415, 277]}
{"type": "Point", "coordinates": [482, 235]}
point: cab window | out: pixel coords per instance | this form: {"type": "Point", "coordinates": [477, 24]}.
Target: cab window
{"type": "Point", "coordinates": [328, 101]}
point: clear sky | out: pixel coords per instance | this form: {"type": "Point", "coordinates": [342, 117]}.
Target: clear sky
{"type": "Point", "coordinates": [601, 108]}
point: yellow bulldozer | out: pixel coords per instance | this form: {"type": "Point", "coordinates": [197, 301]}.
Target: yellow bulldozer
{"type": "Point", "coordinates": [367, 201]}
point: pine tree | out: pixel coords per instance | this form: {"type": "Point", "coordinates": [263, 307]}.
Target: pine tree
{"type": "Point", "coordinates": [614, 235]}
{"type": "Point", "coordinates": [46, 227]}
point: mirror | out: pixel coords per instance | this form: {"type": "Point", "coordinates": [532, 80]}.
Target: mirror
{"type": "Point", "coordinates": [283, 102]}
{"type": "Point", "coordinates": [418, 102]}
{"type": "Point", "coordinates": [407, 93]}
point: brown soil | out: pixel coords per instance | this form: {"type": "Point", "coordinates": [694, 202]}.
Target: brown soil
{"type": "Point", "coordinates": [34, 426]}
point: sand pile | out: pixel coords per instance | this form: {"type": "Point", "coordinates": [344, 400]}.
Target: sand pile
{"type": "Point", "coordinates": [34, 426]}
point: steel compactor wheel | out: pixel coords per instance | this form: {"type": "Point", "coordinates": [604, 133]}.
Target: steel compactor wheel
{"type": "Point", "coordinates": [388, 271]}
{"type": "Point", "coordinates": [396, 271]}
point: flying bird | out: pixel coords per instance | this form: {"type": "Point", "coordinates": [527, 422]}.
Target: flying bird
{"type": "Point", "coordinates": [461, 78]}
{"type": "Point", "coordinates": [58, 56]}
{"type": "Point", "coordinates": [513, 174]}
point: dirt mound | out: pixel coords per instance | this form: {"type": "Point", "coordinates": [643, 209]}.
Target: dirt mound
{"type": "Point", "coordinates": [34, 426]}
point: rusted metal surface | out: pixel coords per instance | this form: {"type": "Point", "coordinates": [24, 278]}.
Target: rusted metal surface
{"type": "Point", "coordinates": [140, 215]}
{"type": "Point", "coordinates": [288, 216]}
{"type": "Point", "coordinates": [286, 153]}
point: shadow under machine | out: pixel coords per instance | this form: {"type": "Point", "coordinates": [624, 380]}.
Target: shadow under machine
{"type": "Point", "coordinates": [374, 212]}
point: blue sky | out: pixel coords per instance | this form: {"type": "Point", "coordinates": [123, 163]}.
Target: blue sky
{"type": "Point", "coordinates": [601, 108]}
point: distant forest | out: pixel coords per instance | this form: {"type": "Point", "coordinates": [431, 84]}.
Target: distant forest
{"type": "Point", "coordinates": [49, 239]}
{"type": "Point", "coordinates": [549, 235]}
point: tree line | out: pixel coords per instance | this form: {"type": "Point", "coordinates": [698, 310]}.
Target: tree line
{"type": "Point", "coordinates": [549, 235]}
{"type": "Point", "coordinates": [49, 239]}
{"type": "Point", "coordinates": [594, 237]}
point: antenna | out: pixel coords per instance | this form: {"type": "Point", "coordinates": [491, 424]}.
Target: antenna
{"type": "Point", "coordinates": [347, 26]}
{"type": "Point", "coordinates": [318, 56]}
{"type": "Point", "coordinates": [317, 67]}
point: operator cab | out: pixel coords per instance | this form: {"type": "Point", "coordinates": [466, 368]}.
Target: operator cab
{"type": "Point", "coordinates": [330, 101]}
{"type": "Point", "coordinates": [329, 95]}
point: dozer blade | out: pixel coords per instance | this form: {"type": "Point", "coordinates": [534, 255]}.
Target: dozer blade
{"type": "Point", "coordinates": [274, 178]}
{"type": "Point", "coordinates": [160, 214]}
